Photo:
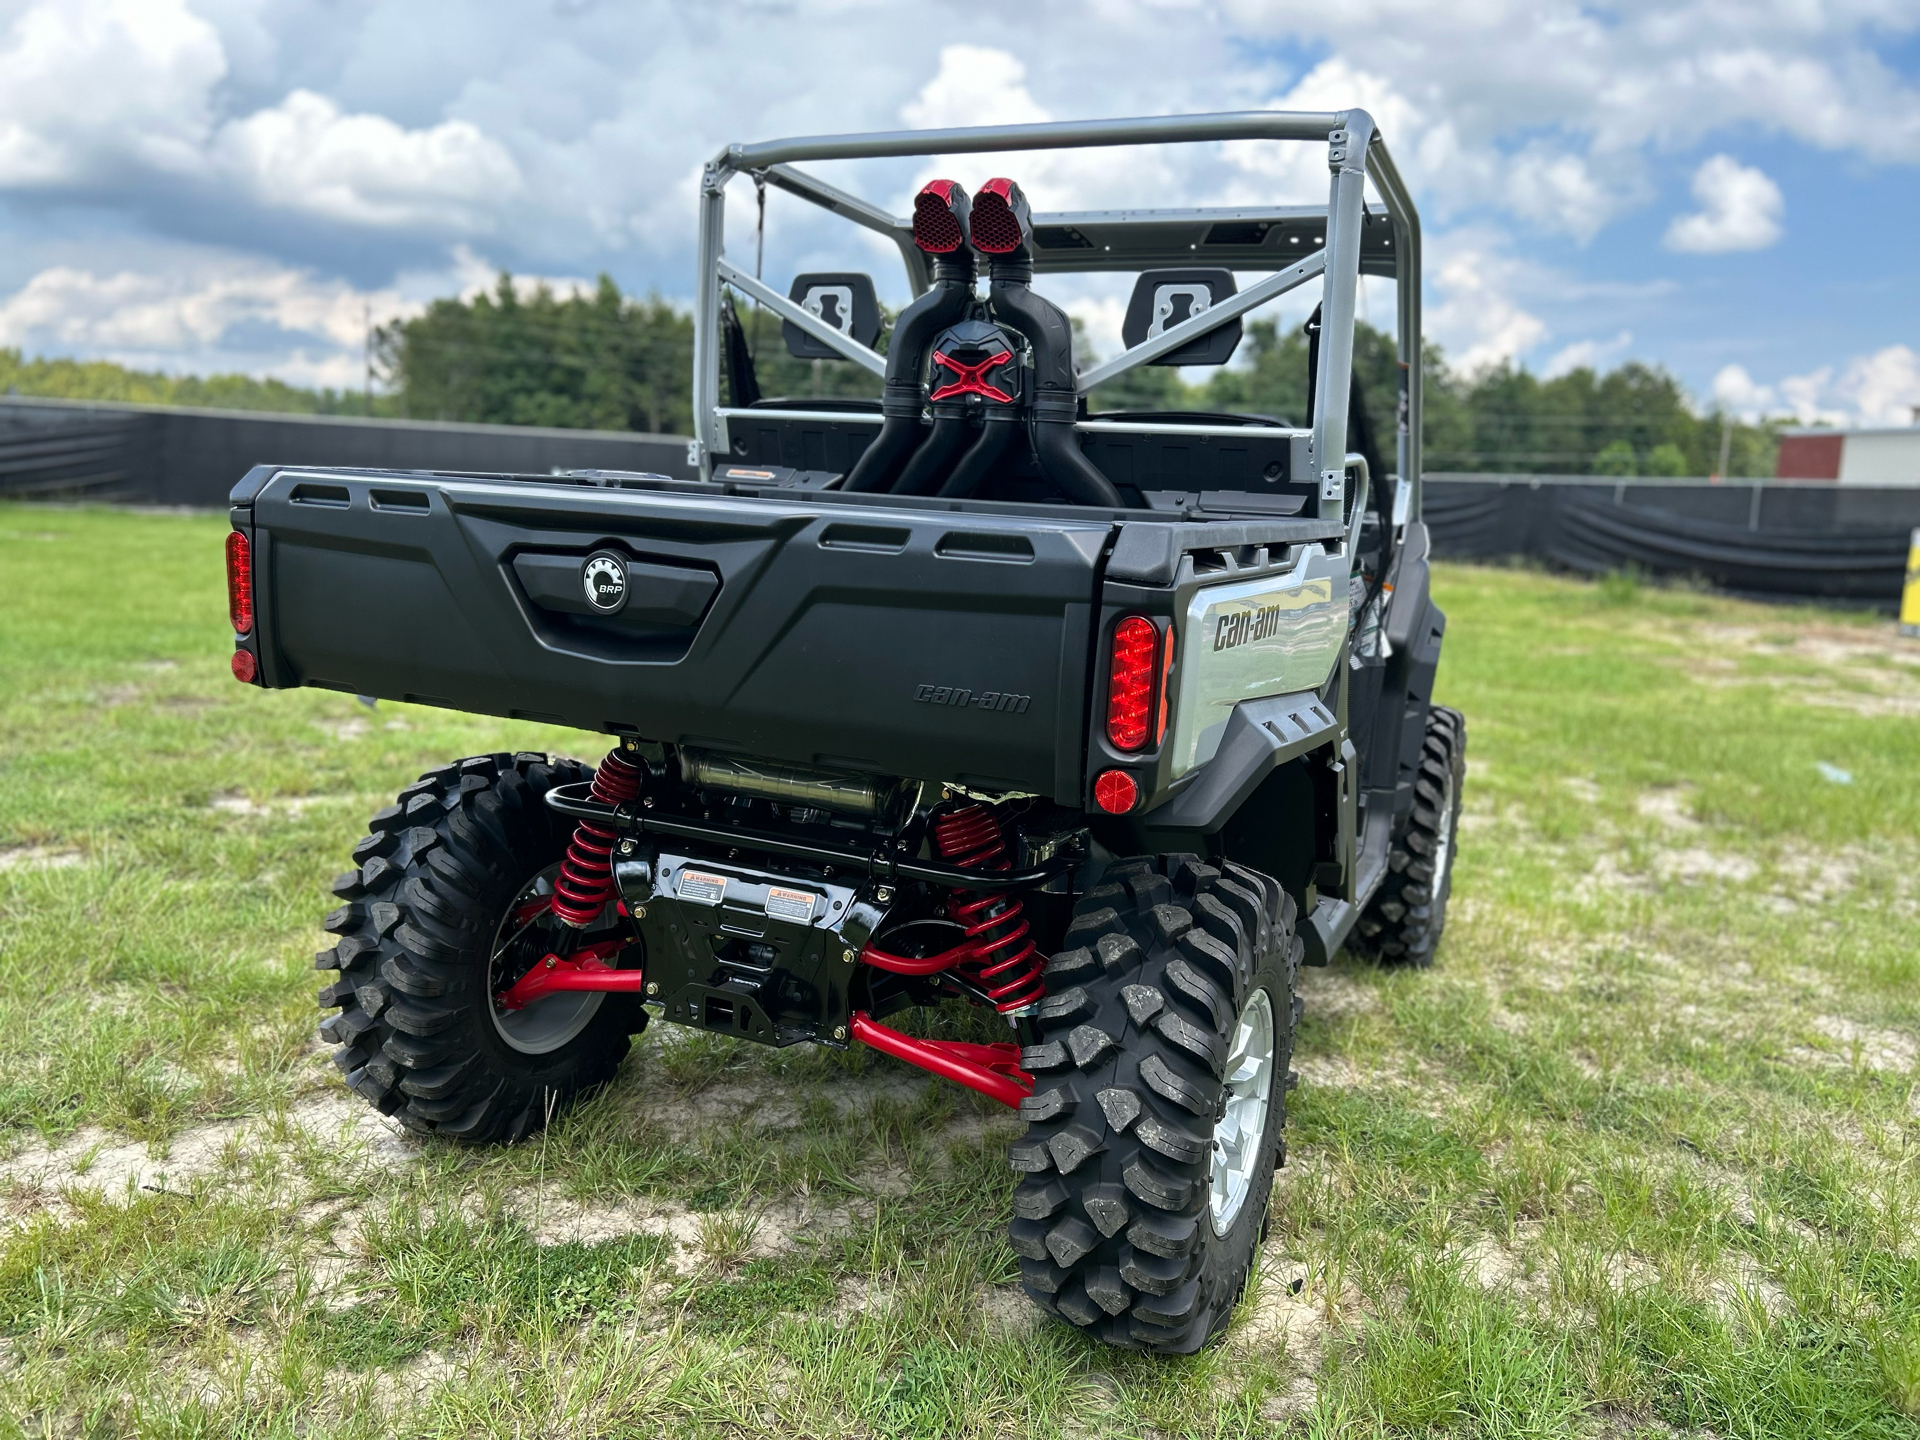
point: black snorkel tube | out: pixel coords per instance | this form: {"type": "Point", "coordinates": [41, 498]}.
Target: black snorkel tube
{"type": "Point", "coordinates": [1002, 229]}
{"type": "Point", "coordinates": [940, 230]}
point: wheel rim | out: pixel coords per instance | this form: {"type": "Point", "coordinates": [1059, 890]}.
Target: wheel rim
{"type": "Point", "coordinates": [549, 1023]}
{"type": "Point", "coordinates": [1443, 843]}
{"type": "Point", "coordinates": [1240, 1136]}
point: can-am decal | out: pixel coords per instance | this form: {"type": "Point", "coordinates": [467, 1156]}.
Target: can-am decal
{"type": "Point", "coordinates": [980, 699]}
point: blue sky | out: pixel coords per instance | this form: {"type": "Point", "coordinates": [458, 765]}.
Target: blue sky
{"type": "Point", "coordinates": [1724, 187]}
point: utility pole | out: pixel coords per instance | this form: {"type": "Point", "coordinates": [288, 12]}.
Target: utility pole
{"type": "Point", "coordinates": [367, 389]}
{"type": "Point", "coordinates": [1726, 445]}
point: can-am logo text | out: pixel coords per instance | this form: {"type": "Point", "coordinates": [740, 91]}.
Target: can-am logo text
{"type": "Point", "coordinates": [1000, 700]}
{"type": "Point", "coordinates": [1246, 626]}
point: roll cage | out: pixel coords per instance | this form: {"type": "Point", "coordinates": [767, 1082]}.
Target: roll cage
{"type": "Point", "coordinates": [1293, 244]}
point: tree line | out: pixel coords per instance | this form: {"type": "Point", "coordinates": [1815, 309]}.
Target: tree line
{"type": "Point", "coordinates": [607, 360]}
{"type": "Point", "coordinates": [601, 359]}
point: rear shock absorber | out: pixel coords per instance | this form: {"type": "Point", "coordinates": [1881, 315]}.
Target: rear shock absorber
{"type": "Point", "coordinates": [1002, 959]}
{"type": "Point", "coordinates": [585, 882]}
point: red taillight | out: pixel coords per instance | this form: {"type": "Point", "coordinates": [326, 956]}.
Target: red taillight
{"type": "Point", "coordinates": [1166, 679]}
{"type": "Point", "coordinates": [245, 667]}
{"type": "Point", "coordinates": [1115, 791]}
{"type": "Point", "coordinates": [240, 584]}
{"type": "Point", "coordinates": [1130, 682]}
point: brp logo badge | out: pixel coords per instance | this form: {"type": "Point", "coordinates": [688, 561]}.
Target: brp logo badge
{"type": "Point", "coordinates": [604, 578]}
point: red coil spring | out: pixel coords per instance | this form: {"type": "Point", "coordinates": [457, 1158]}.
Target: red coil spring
{"type": "Point", "coordinates": [585, 883]}
{"type": "Point", "coordinates": [1002, 959]}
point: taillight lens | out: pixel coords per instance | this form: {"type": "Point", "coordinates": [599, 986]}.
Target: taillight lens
{"type": "Point", "coordinates": [245, 667]}
{"type": "Point", "coordinates": [240, 583]}
{"type": "Point", "coordinates": [1131, 674]}
{"type": "Point", "coordinates": [1115, 791]}
{"type": "Point", "coordinates": [1166, 682]}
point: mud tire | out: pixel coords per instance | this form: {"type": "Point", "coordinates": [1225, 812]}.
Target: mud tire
{"type": "Point", "coordinates": [434, 877]}
{"type": "Point", "coordinates": [1111, 1216]}
{"type": "Point", "coordinates": [1404, 920]}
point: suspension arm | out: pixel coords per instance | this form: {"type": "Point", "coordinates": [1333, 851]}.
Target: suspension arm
{"type": "Point", "coordinates": [993, 1070]}
{"type": "Point", "coordinates": [585, 969]}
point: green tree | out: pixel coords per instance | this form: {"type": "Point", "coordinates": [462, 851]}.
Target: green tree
{"type": "Point", "coordinates": [1668, 459]}
{"type": "Point", "coordinates": [599, 361]}
{"type": "Point", "coordinates": [1616, 457]}
{"type": "Point", "coordinates": [66, 379]}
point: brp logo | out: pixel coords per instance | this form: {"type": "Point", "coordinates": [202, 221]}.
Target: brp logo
{"type": "Point", "coordinates": [604, 578]}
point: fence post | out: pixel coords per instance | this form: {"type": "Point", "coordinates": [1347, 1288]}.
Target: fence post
{"type": "Point", "coordinates": [1910, 599]}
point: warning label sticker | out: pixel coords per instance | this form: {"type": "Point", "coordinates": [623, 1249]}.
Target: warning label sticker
{"type": "Point", "coordinates": [701, 887]}
{"type": "Point", "coordinates": [790, 904]}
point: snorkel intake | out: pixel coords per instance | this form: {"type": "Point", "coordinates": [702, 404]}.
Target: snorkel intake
{"type": "Point", "coordinates": [940, 231]}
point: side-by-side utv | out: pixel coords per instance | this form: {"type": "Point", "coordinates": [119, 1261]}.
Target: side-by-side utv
{"type": "Point", "coordinates": [1105, 722]}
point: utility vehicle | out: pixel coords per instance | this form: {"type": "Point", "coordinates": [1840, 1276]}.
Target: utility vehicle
{"type": "Point", "coordinates": [1102, 722]}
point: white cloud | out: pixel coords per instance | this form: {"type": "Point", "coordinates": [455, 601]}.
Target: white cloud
{"type": "Point", "coordinates": [473, 274]}
{"type": "Point", "coordinates": [1479, 318]}
{"type": "Point", "coordinates": [1739, 210]}
{"type": "Point", "coordinates": [1734, 389]}
{"type": "Point", "coordinates": [91, 87]}
{"type": "Point", "coordinates": [976, 85]}
{"type": "Point", "coordinates": [1103, 316]}
{"type": "Point", "coordinates": [304, 154]}
{"type": "Point", "coordinates": [212, 316]}
{"type": "Point", "coordinates": [1587, 355]}
{"type": "Point", "coordinates": [96, 92]}
{"type": "Point", "coordinates": [1882, 388]}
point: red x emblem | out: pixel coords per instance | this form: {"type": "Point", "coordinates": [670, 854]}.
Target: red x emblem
{"type": "Point", "coordinates": [971, 379]}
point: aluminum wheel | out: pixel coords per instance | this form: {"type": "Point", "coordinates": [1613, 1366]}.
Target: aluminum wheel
{"type": "Point", "coordinates": [1240, 1136]}
{"type": "Point", "coordinates": [518, 945]}
{"type": "Point", "coordinates": [1443, 848]}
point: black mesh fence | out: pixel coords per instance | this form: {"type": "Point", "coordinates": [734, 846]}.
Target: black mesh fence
{"type": "Point", "coordinates": [157, 455]}
{"type": "Point", "coordinates": [1785, 540]}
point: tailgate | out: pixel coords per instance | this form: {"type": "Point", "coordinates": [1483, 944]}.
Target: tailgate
{"type": "Point", "coordinates": [935, 645]}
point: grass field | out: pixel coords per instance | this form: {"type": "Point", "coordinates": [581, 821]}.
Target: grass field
{"type": "Point", "coordinates": [1639, 1157]}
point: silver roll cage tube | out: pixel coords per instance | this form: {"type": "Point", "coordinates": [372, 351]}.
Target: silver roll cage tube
{"type": "Point", "coordinates": [1353, 239]}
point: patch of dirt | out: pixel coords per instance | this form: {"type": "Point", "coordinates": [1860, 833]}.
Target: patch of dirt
{"type": "Point", "coordinates": [1892, 1052]}
{"type": "Point", "coordinates": [38, 857]}
{"type": "Point", "coordinates": [1287, 1316]}
{"type": "Point", "coordinates": [1671, 806]}
{"type": "Point", "coordinates": [1872, 705]}
{"type": "Point", "coordinates": [1332, 993]}
{"type": "Point", "coordinates": [118, 1169]}
{"type": "Point", "coordinates": [1749, 1284]}
{"type": "Point", "coordinates": [1695, 863]}
{"type": "Point", "coordinates": [352, 728]}
{"type": "Point", "coordinates": [1335, 1072]}
{"type": "Point", "coordinates": [1007, 1312]}
{"type": "Point", "coordinates": [407, 1386]}
{"type": "Point", "coordinates": [232, 802]}
{"type": "Point", "coordinates": [1503, 1267]}
{"type": "Point", "coordinates": [1581, 788]}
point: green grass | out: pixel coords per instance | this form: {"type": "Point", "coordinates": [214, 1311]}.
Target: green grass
{"type": "Point", "coordinates": [1641, 1156]}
